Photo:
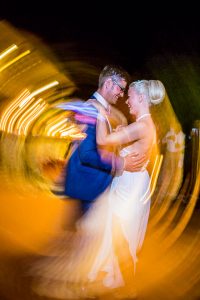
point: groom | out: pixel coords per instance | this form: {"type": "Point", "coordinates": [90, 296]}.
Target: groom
{"type": "Point", "coordinates": [90, 170]}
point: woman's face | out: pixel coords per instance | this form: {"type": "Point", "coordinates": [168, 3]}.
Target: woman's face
{"type": "Point", "coordinates": [132, 101]}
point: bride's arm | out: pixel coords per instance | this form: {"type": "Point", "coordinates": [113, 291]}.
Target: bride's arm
{"type": "Point", "coordinates": [127, 134]}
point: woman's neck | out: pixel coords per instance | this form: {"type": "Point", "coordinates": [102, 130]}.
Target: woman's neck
{"type": "Point", "coordinates": [142, 115]}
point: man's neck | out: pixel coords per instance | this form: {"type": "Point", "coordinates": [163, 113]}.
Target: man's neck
{"type": "Point", "coordinates": [101, 100]}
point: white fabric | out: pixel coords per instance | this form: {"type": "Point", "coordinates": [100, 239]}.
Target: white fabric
{"type": "Point", "coordinates": [125, 201]}
{"type": "Point", "coordinates": [101, 100]}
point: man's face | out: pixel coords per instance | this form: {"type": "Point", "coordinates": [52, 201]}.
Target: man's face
{"type": "Point", "coordinates": [116, 90]}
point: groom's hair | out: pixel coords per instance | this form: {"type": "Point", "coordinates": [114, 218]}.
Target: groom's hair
{"type": "Point", "coordinates": [115, 72]}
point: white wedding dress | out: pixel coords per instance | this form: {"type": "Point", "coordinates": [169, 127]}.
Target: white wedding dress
{"type": "Point", "coordinates": [129, 201]}
{"type": "Point", "coordinates": [79, 258]}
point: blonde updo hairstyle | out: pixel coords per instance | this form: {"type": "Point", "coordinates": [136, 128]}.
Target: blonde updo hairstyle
{"type": "Point", "coordinates": [153, 90]}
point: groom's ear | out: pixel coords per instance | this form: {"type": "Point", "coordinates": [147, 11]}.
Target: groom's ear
{"type": "Point", "coordinates": [108, 82]}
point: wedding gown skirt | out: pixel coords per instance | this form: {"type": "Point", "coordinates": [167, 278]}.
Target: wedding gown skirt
{"type": "Point", "coordinates": [79, 258]}
{"type": "Point", "coordinates": [129, 201]}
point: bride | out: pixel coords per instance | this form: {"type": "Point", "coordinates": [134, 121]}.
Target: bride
{"type": "Point", "coordinates": [102, 255]}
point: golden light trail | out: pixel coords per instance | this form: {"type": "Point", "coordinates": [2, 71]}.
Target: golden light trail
{"type": "Point", "coordinates": [186, 216]}
{"type": "Point", "coordinates": [8, 112]}
{"type": "Point", "coordinates": [36, 109]}
{"type": "Point", "coordinates": [40, 110]}
{"type": "Point", "coordinates": [16, 115]}
{"type": "Point", "coordinates": [52, 116]}
{"type": "Point", "coordinates": [73, 132]}
{"type": "Point", "coordinates": [21, 103]}
{"type": "Point", "coordinates": [55, 127]}
{"type": "Point", "coordinates": [8, 51]}
{"type": "Point", "coordinates": [15, 60]}
{"type": "Point", "coordinates": [163, 208]}
{"type": "Point", "coordinates": [80, 135]}
{"type": "Point", "coordinates": [59, 129]}
{"type": "Point", "coordinates": [40, 90]}
{"type": "Point", "coordinates": [53, 124]}
{"type": "Point", "coordinates": [20, 121]}
{"type": "Point", "coordinates": [153, 178]}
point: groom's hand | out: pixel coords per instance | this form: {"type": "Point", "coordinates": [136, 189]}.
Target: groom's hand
{"type": "Point", "coordinates": [135, 162]}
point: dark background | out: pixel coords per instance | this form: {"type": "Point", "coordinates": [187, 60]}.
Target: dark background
{"type": "Point", "coordinates": [129, 39]}
{"type": "Point", "coordinates": [148, 41]}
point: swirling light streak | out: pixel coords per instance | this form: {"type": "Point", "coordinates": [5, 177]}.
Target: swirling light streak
{"type": "Point", "coordinates": [54, 126]}
{"type": "Point", "coordinates": [40, 90]}
{"type": "Point", "coordinates": [8, 51]}
{"type": "Point", "coordinates": [32, 114]}
{"type": "Point", "coordinates": [10, 109]}
{"type": "Point", "coordinates": [19, 122]}
{"type": "Point", "coordinates": [36, 114]}
{"type": "Point", "coordinates": [20, 110]}
{"type": "Point", "coordinates": [15, 60]}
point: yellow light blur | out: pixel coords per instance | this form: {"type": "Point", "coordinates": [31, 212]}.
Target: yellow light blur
{"type": "Point", "coordinates": [8, 51]}
{"type": "Point", "coordinates": [15, 60]}
{"type": "Point", "coordinates": [10, 109]}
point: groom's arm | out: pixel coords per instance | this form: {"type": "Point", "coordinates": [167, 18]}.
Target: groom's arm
{"type": "Point", "coordinates": [91, 155]}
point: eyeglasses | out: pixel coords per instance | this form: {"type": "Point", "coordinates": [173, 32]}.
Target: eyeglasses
{"type": "Point", "coordinates": [123, 89]}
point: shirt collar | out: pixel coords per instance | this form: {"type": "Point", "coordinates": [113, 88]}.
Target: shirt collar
{"type": "Point", "coordinates": [101, 100]}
